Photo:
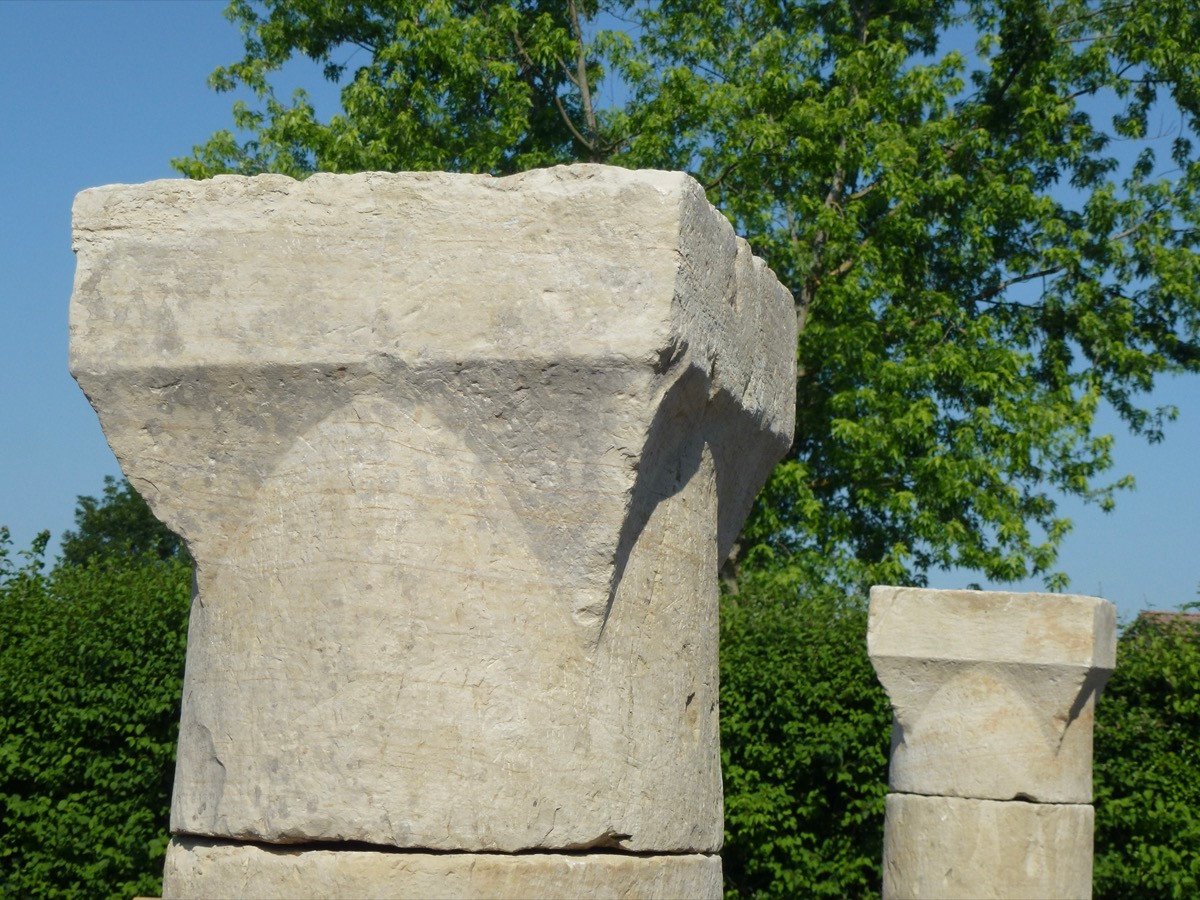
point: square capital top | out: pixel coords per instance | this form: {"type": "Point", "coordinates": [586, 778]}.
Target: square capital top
{"type": "Point", "coordinates": [590, 264]}
{"type": "Point", "coordinates": [992, 626]}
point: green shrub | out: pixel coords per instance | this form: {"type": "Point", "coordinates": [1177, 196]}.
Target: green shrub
{"type": "Point", "coordinates": [91, 659]}
{"type": "Point", "coordinates": [1147, 765]}
{"type": "Point", "coordinates": [805, 729]}
{"type": "Point", "coordinates": [804, 734]}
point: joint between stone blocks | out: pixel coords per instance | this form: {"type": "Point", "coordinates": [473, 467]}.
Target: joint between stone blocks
{"type": "Point", "coordinates": [221, 869]}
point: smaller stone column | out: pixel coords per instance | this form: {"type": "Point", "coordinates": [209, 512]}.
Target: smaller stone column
{"type": "Point", "coordinates": [991, 762]}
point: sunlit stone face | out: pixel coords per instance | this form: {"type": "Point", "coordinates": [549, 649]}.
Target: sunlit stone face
{"type": "Point", "coordinates": [458, 459]}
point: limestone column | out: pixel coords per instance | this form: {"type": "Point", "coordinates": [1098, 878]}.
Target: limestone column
{"type": "Point", "coordinates": [991, 764]}
{"type": "Point", "coordinates": [457, 458]}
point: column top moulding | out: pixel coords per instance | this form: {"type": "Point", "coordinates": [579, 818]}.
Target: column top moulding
{"type": "Point", "coordinates": [992, 626]}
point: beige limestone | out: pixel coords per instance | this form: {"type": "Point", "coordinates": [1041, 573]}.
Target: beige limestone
{"type": "Point", "coordinates": [950, 847]}
{"type": "Point", "coordinates": [457, 458]}
{"type": "Point", "coordinates": [249, 872]}
{"type": "Point", "coordinates": [993, 692]}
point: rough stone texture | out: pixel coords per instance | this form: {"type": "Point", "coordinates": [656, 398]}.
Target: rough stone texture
{"type": "Point", "coordinates": [218, 871]}
{"type": "Point", "coordinates": [949, 847]}
{"type": "Point", "coordinates": [457, 458]}
{"type": "Point", "coordinates": [993, 692]}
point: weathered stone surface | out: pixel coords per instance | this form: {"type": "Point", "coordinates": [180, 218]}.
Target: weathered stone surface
{"type": "Point", "coordinates": [950, 847]}
{"type": "Point", "coordinates": [457, 458]}
{"type": "Point", "coordinates": [217, 871]}
{"type": "Point", "coordinates": [993, 692]}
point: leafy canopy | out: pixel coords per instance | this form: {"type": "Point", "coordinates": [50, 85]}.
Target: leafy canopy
{"type": "Point", "coordinates": [986, 211]}
{"type": "Point", "coordinates": [1147, 756]}
{"type": "Point", "coordinates": [91, 659]}
{"type": "Point", "coordinates": [805, 729]}
{"type": "Point", "coordinates": [119, 523]}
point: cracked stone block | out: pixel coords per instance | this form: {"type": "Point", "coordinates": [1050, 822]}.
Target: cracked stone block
{"type": "Point", "coordinates": [457, 458]}
{"type": "Point", "coordinates": [198, 868]}
{"type": "Point", "coordinates": [993, 692]}
{"type": "Point", "coordinates": [955, 848]}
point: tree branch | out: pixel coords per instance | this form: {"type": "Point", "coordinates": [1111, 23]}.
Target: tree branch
{"type": "Point", "coordinates": [833, 197]}
{"type": "Point", "coordinates": [859, 194]}
{"type": "Point", "coordinates": [720, 176]}
{"type": "Point", "coordinates": [1002, 286]}
{"type": "Point", "coordinates": [585, 93]}
{"type": "Point", "coordinates": [558, 104]}
{"type": "Point", "coordinates": [562, 111]}
{"type": "Point", "coordinates": [567, 71]}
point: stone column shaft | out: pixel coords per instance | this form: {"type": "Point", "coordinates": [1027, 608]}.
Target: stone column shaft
{"type": "Point", "coordinates": [991, 764]}
{"type": "Point", "coordinates": [457, 458]}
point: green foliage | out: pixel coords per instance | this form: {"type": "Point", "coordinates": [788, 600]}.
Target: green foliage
{"type": "Point", "coordinates": [985, 236]}
{"type": "Point", "coordinates": [976, 269]}
{"type": "Point", "coordinates": [805, 730]}
{"type": "Point", "coordinates": [804, 736]}
{"type": "Point", "coordinates": [437, 85]}
{"type": "Point", "coordinates": [1147, 765]}
{"type": "Point", "coordinates": [91, 660]}
{"type": "Point", "coordinates": [986, 239]}
{"type": "Point", "coordinates": [119, 523]}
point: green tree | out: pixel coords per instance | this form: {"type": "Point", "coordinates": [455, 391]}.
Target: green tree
{"type": "Point", "coordinates": [1147, 765]}
{"type": "Point", "coordinates": [91, 663]}
{"type": "Point", "coordinates": [986, 235]}
{"type": "Point", "coordinates": [118, 523]}
{"type": "Point", "coordinates": [805, 732]}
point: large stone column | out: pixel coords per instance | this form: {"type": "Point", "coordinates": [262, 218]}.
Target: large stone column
{"type": "Point", "coordinates": [457, 458]}
{"type": "Point", "coordinates": [991, 767]}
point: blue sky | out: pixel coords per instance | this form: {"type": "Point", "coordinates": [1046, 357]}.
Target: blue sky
{"type": "Point", "coordinates": [101, 92]}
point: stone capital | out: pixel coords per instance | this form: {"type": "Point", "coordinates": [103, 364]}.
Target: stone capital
{"type": "Point", "coordinates": [993, 692]}
{"type": "Point", "coordinates": [458, 458]}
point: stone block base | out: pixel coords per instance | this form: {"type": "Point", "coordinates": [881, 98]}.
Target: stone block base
{"type": "Point", "coordinates": [949, 847]}
{"type": "Point", "coordinates": [209, 869]}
